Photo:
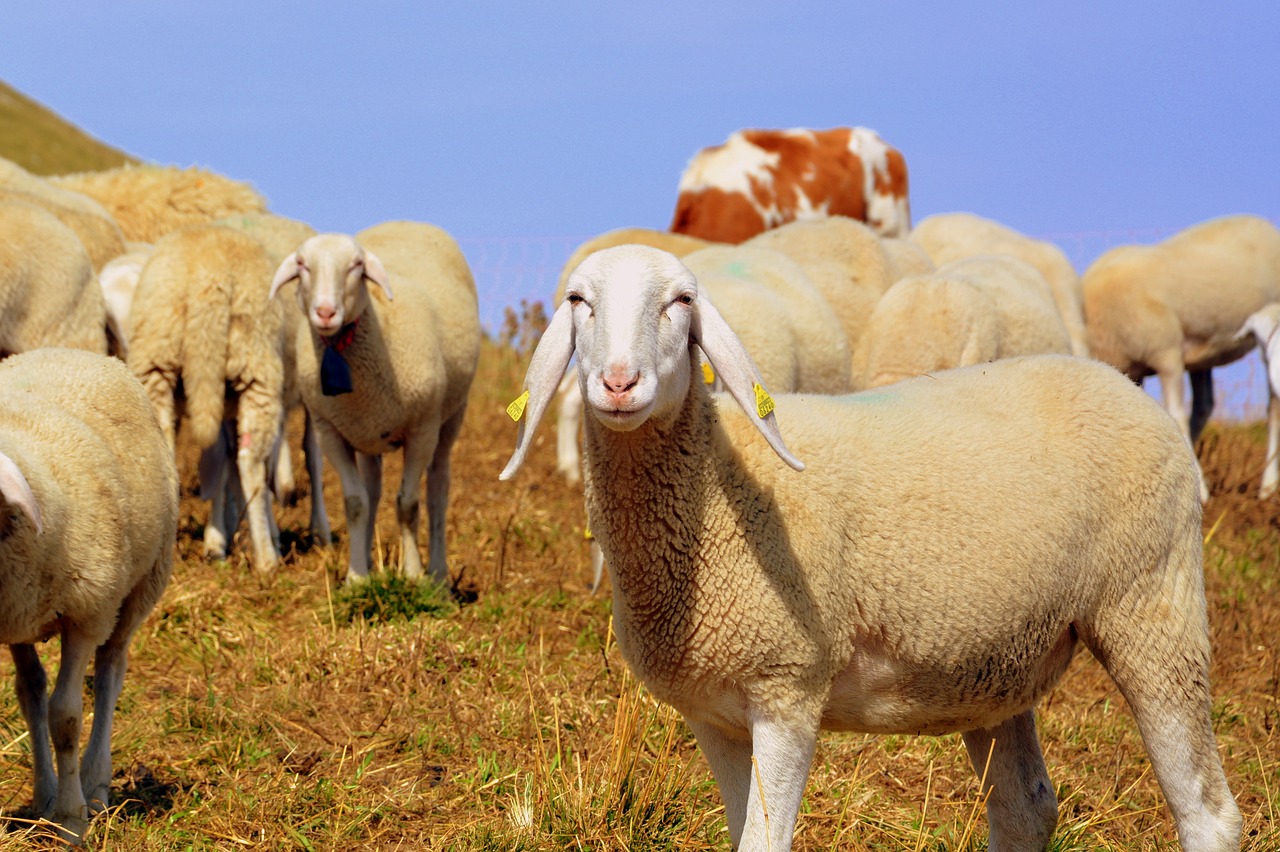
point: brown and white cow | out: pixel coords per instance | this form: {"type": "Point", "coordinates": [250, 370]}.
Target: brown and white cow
{"type": "Point", "coordinates": [760, 179]}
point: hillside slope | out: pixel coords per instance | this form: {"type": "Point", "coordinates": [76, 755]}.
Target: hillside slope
{"type": "Point", "coordinates": [44, 143]}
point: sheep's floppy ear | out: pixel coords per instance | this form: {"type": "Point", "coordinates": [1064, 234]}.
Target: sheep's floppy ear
{"type": "Point", "coordinates": [287, 271]}
{"type": "Point", "coordinates": [16, 491]}
{"type": "Point", "coordinates": [546, 368]}
{"type": "Point", "coordinates": [735, 369]}
{"type": "Point", "coordinates": [377, 273]}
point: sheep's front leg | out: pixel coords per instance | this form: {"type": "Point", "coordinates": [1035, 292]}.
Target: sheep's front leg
{"type": "Point", "coordinates": [1022, 809]}
{"type": "Point", "coordinates": [1201, 402]}
{"type": "Point", "coordinates": [1169, 369]}
{"type": "Point", "coordinates": [66, 714]}
{"type": "Point", "coordinates": [33, 698]}
{"type": "Point", "coordinates": [730, 761]}
{"type": "Point", "coordinates": [355, 496]}
{"type": "Point", "coordinates": [783, 751]}
{"type": "Point", "coordinates": [1271, 473]}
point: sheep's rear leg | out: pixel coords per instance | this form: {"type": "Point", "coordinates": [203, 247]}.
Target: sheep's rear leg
{"type": "Point", "coordinates": [568, 456]}
{"type": "Point", "coordinates": [33, 698]}
{"type": "Point", "coordinates": [1271, 473]}
{"type": "Point", "coordinates": [418, 450]}
{"type": "Point", "coordinates": [438, 480]}
{"type": "Point", "coordinates": [1022, 810]}
{"type": "Point", "coordinates": [1201, 401]}
{"type": "Point", "coordinates": [320, 528]}
{"type": "Point", "coordinates": [66, 715]}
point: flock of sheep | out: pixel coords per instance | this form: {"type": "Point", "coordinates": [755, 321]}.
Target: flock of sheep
{"type": "Point", "coordinates": [921, 557]}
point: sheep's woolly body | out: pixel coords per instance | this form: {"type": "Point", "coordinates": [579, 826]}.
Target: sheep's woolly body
{"type": "Point", "coordinates": [973, 310]}
{"type": "Point", "coordinates": [931, 570]}
{"type": "Point", "coordinates": [906, 258]}
{"type": "Point", "coordinates": [82, 431]}
{"type": "Point", "coordinates": [678, 244]}
{"type": "Point", "coordinates": [150, 201]}
{"type": "Point", "coordinates": [48, 295]}
{"type": "Point", "coordinates": [201, 317]}
{"type": "Point", "coordinates": [949, 237]}
{"type": "Point", "coordinates": [779, 315]}
{"type": "Point", "coordinates": [91, 222]}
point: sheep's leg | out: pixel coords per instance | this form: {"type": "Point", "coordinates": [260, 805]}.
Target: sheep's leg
{"type": "Point", "coordinates": [1201, 402]}
{"type": "Point", "coordinates": [1271, 473]}
{"type": "Point", "coordinates": [315, 475]}
{"type": "Point", "coordinates": [66, 714]}
{"type": "Point", "coordinates": [730, 761]}
{"type": "Point", "coordinates": [418, 450]}
{"type": "Point", "coordinates": [252, 465]}
{"type": "Point", "coordinates": [32, 685]}
{"type": "Point", "coordinates": [438, 479]}
{"type": "Point", "coordinates": [283, 483]}
{"type": "Point", "coordinates": [568, 458]}
{"type": "Point", "coordinates": [160, 386]}
{"type": "Point", "coordinates": [215, 485]}
{"type": "Point", "coordinates": [1022, 810]}
{"type": "Point", "coordinates": [370, 468]}
{"type": "Point", "coordinates": [597, 565]}
{"type": "Point", "coordinates": [783, 751]}
{"type": "Point", "coordinates": [1169, 370]}
{"type": "Point", "coordinates": [355, 499]}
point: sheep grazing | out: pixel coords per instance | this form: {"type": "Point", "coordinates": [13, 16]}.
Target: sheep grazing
{"type": "Point", "coordinates": [150, 201]}
{"type": "Point", "coordinates": [930, 571]}
{"type": "Point", "coordinates": [201, 323]}
{"type": "Point", "coordinates": [954, 236]}
{"type": "Point", "coordinates": [90, 513]}
{"type": "Point", "coordinates": [91, 222]}
{"type": "Point", "coordinates": [48, 296]}
{"type": "Point", "coordinates": [1178, 306]}
{"type": "Point", "coordinates": [377, 374]}
{"type": "Point", "coordinates": [968, 312]}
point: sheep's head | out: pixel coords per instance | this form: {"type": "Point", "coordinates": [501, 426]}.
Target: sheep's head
{"type": "Point", "coordinates": [332, 271]}
{"type": "Point", "coordinates": [632, 314]}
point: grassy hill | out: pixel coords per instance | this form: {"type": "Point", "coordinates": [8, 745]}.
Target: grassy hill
{"type": "Point", "coordinates": [44, 143]}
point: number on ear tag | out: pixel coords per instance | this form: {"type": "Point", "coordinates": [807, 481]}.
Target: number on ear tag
{"type": "Point", "coordinates": [516, 409]}
{"type": "Point", "coordinates": [764, 402]}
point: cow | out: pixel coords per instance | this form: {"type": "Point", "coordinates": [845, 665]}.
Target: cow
{"type": "Point", "coordinates": [760, 179]}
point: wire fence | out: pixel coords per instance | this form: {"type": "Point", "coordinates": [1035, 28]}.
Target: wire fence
{"type": "Point", "coordinates": [512, 270]}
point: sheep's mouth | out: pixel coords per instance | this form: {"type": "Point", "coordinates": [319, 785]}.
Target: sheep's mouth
{"type": "Point", "coordinates": [622, 419]}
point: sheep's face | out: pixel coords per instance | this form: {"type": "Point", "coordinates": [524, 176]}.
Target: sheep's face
{"type": "Point", "coordinates": [331, 271]}
{"type": "Point", "coordinates": [632, 317]}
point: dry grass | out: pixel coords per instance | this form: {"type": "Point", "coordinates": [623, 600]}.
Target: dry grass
{"type": "Point", "coordinates": [256, 715]}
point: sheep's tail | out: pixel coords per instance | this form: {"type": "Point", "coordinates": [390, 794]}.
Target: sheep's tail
{"type": "Point", "coordinates": [204, 361]}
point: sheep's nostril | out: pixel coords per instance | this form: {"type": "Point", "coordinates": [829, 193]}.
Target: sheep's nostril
{"type": "Point", "coordinates": [620, 383]}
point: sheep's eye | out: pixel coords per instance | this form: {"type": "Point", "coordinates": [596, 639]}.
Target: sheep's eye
{"type": "Point", "coordinates": [685, 299]}
{"type": "Point", "coordinates": [573, 298]}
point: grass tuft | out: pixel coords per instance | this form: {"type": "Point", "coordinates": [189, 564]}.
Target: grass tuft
{"type": "Point", "coordinates": [385, 598]}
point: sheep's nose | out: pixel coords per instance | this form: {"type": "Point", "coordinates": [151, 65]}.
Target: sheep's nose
{"type": "Point", "coordinates": [325, 313]}
{"type": "Point", "coordinates": [618, 383]}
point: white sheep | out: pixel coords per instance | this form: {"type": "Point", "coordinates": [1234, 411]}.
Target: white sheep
{"type": "Point", "coordinates": [410, 365]}
{"type": "Point", "coordinates": [281, 236]}
{"type": "Point", "coordinates": [201, 323]}
{"type": "Point", "coordinates": [89, 500]}
{"type": "Point", "coordinates": [1262, 326]}
{"type": "Point", "coordinates": [967, 312]}
{"type": "Point", "coordinates": [101, 236]}
{"type": "Point", "coordinates": [931, 571]}
{"type": "Point", "coordinates": [954, 236]}
{"type": "Point", "coordinates": [48, 296]}
{"type": "Point", "coordinates": [1177, 307]}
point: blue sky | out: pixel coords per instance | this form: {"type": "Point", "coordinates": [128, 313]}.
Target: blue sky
{"type": "Point", "coordinates": [561, 120]}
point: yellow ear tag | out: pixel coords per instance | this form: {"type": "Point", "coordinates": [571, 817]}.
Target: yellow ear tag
{"type": "Point", "coordinates": [764, 402]}
{"type": "Point", "coordinates": [516, 409]}
{"type": "Point", "coordinates": [708, 374]}
{"type": "Point", "coordinates": [586, 534]}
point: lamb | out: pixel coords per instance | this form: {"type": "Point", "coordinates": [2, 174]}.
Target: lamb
{"type": "Point", "coordinates": [568, 457]}
{"type": "Point", "coordinates": [1177, 307]}
{"type": "Point", "coordinates": [90, 514]}
{"type": "Point", "coordinates": [94, 226]}
{"type": "Point", "coordinates": [48, 296]}
{"type": "Point", "coordinates": [968, 312]}
{"type": "Point", "coordinates": [150, 201]}
{"type": "Point", "coordinates": [1261, 326]}
{"type": "Point", "coordinates": [201, 317]}
{"type": "Point", "coordinates": [931, 572]}
{"type": "Point", "coordinates": [378, 375]}
{"type": "Point", "coordinates": [953, 236]}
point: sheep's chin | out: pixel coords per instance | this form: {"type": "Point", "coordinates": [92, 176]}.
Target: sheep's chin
{"type": "Point", "coordinates": [622, 421]}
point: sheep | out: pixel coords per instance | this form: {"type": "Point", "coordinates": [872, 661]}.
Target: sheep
{"type": "Point", "coordinates": [969, 311]}
{"type": "Point", "coordinates": [281, 236]}
{"type": "Point", "coordinates": [906, 258]}
{"type": "Point", "coordinates": [953, 236]}
{"type": "Point", "coordinates": [150, 201]}
{"type": "Point", "coordinates": [378, 375]}
{"type": "Point", "coordinates": [1177, 306]}
{"type": "Point", "coordinates": [92, 223]}
{"type": "Point", "coordinates": [568, 457]}
{"type": "Point", "coordinates": [1261, 326]}
{"type": "Point", "coordinates": [201, 323]}
{"type": "Point", "coordinates": [931, 571]}
{"type": "Point", "coordinates": [48, 296]}
{"type": "Point", "coordinates": [90, 514]}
